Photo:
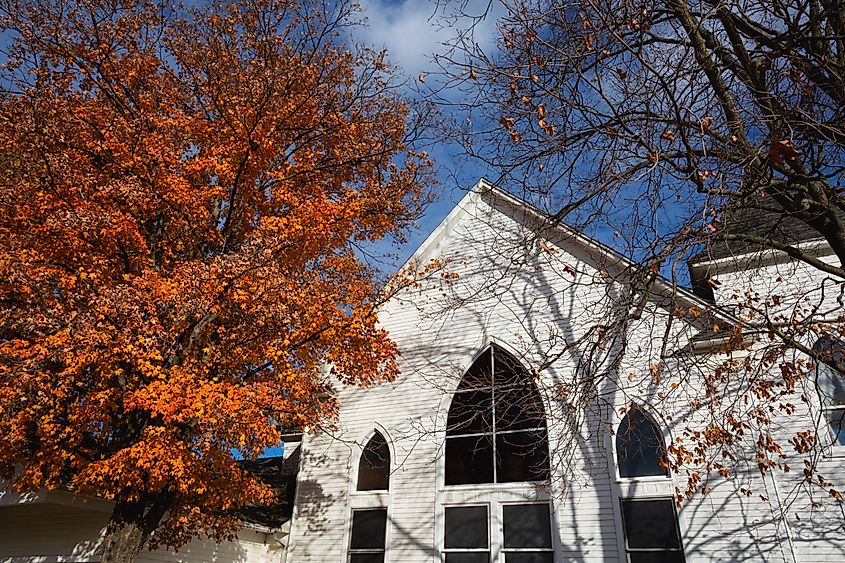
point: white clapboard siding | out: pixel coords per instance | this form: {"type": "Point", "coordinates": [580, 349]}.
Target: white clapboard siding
{"type": "Point", "coordinates": [531, 307]}
{"type": "Point", "coordinates": [48, 532]}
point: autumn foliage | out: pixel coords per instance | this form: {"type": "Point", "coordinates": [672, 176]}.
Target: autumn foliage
{"type": "Point", "coordinates": [180, 192]}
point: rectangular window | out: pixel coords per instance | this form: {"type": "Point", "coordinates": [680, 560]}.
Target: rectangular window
{"type": "Point", "coordinates": [469, 459]}
{"type": "Point", "coordinates": [651, 531]}
{"type": "Point", "coordinates": [522, 456]}
{"type": "Point", "coordinates": [367, 542]}
{"type": "Point", "coordinates": [527, 533]}
{"type": "Point", "coordinates": [467, 536]}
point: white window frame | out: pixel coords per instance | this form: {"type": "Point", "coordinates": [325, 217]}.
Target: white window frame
{"type": "Point", "coordinates": [368, 500]}
{"type": "Point", "coordinates": [505, 550]}
{"type": "Point", "coordinates": [615, 452]}
{"type": "Point", "coordinates": [350, 551]}
{"type": "Point", "coordinates": [489, 551]}
{"type": "Point", "coordinates": [650, 487]}
{"type": "Point", "coordinates": [494, 432]}
{"type": "Point", "coordinates": [677, 522]}
{"type": "Point", "coordinates": [495, 501]}
{"type": "Point", "coordinates": [826, 405]}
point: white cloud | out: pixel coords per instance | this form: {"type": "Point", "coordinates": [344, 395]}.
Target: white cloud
{"type": "Point", "coordinates": [412, 30]}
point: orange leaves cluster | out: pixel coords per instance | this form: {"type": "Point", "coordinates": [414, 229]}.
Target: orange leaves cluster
{"type": "Point", "coordinates": [179, 192]}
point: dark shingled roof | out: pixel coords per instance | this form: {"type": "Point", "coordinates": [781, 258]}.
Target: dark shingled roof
{"type": "Point", "coordinates": [280, 474]}
{"type": "Point", "coordinates": [761, 219]}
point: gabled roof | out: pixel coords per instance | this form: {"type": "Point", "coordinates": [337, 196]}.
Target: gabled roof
{"type": "Point", "coordinates": [604, 254]}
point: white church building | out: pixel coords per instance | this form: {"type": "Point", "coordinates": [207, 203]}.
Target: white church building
{"type": "Point", "coordinates": [520, 429]}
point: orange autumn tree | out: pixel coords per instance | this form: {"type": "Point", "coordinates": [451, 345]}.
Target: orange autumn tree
{"type": "Point", "coordinates": [181, 191]}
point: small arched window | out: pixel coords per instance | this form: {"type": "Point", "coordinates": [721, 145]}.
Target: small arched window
{"type": "Point", "coordinates": [374, 468]}
{"type": "Point", "coordinates": [639, 446]}
{"type": "Point", "coordinates": [830, 380]}
{"type": "Point", "coordinates": [496, 429]}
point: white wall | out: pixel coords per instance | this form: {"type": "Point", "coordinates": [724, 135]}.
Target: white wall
{"type": "Point", "coordinates": [49, 532]}
{"type": "Point", "coordinates": [533, 307]}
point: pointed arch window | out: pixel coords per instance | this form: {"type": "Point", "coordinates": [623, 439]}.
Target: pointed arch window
{"type": "Point", "coordinates": [639, 446]}
{"type": "Point", "coordinates": [496, 429]}
{"type": "Point", "coordinates": [374, 468]}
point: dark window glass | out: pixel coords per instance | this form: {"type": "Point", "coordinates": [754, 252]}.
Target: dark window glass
{"type": "Point", "coordinates": [530, 557]}
{"type": "Point", "coordinates": [512, 403]}
{"type": "Point", "coordinates": [466, 527]}
{"type": "Point", "coordinates": [519, 408]}
{"type": "Point", "coordinates": [508, 371]}
{"type": "Point", "coordinates": [368, 528]}
{"type": "Point", "coordinates": [374, 469]}
{"type": "Point", "coordinates": [639, 446]}
{"type": "Point", "coordinates": [527, 525]}
{"type": "Point", "coordinates": [478, 375]}
{"type": "Point", "coordinates": [471, 412]}
{"type": "Point", "coordinates": [650, 524]}
{"type": "Point", "coordinates": [469, 460]}
{"type": "Point", "coordinates": [470, 557]}
{"type": "Point", "coordinates": [366, 557]}
{"type": "Point", "coordinates": [522, 456]}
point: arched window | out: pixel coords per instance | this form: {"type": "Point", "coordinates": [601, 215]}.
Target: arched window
{"type": "Point", "coordinates": [496, 429]}
{"type": "Point", "coordinates": [830, 381]}
{"type": "Point", "coordinates": [374, 469]}
{"type": "Point", "coordinates": [639, 446]}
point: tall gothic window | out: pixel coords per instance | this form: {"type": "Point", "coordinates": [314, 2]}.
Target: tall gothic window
{"type": "Point", "coordinates": [830, 382]}
{"type": "Point", "coordinates": [639, 446]}
{"type": "Point", "coordinates": [374, 469]}
{"type": "Point", "coordinates": [496, 429]}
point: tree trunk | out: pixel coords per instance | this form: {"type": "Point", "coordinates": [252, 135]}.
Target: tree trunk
{"type": "Point", "coordinates": [124, 538]}
{"type": "Point", "coordinates": [130, 527]}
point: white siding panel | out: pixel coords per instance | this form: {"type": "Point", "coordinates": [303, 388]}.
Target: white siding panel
{"type": "Point", "coordinates": [534, 307]}
{"type": "Point", "coordinates": [59, 533]}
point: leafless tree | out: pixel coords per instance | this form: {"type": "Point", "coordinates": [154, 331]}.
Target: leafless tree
{"type": "Point", "coordinates": [684, 131]}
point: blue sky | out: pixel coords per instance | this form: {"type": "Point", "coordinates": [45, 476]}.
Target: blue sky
{"type": "Point", "coordinates": [412, 32]}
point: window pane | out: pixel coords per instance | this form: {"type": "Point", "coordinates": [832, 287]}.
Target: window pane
{"type": "Point", "coordinates": [528, 557]}
{"type": "Point", "coordinates": [832, 386]}
{"type": "Point", "coordinates": [527, 525]}
{"type": "Point", "coordinates": [519, 408]}
{"type": "Point", "coordinates": [469, 460]}
{"type": "Point", "coordinates": [522, 456]}
{"type": "Point", "coordinates": [639, 447]}
{"type": "Point", "coordinates": [368, 528]}
{"type": "Point", "coordinates": [831, 380]}
{"type": "Point", "coordinates": [471, 412]}
{"type": "Point", "coordinates": [508, 371]}
{"type": "Point", "coordinates": [836, 418]}
{"type": "Point", "coordinates": [374, 469]}
{"type": "Point", "coordinates": [366, 558]}
{"type": "Point", "coordinates": [657, 557]}
{"type": "Point", "coordinates": [476, 557]}
{"type": "Point", "coordinates": [479, 373]}
{"type": "Point", "coordinates": [466, 527]}
{"type": "Point", "coordinates": [650, 523]}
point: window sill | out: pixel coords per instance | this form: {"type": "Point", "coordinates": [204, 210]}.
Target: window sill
{"type": "Point", "coordinates": [648, 479]}
{"type": "Point", "coordinates": [505, 486]}
{"type": "Point", "coordinates": [368, 499]}
{"type": "Point", "coordinates": [504, 491]}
